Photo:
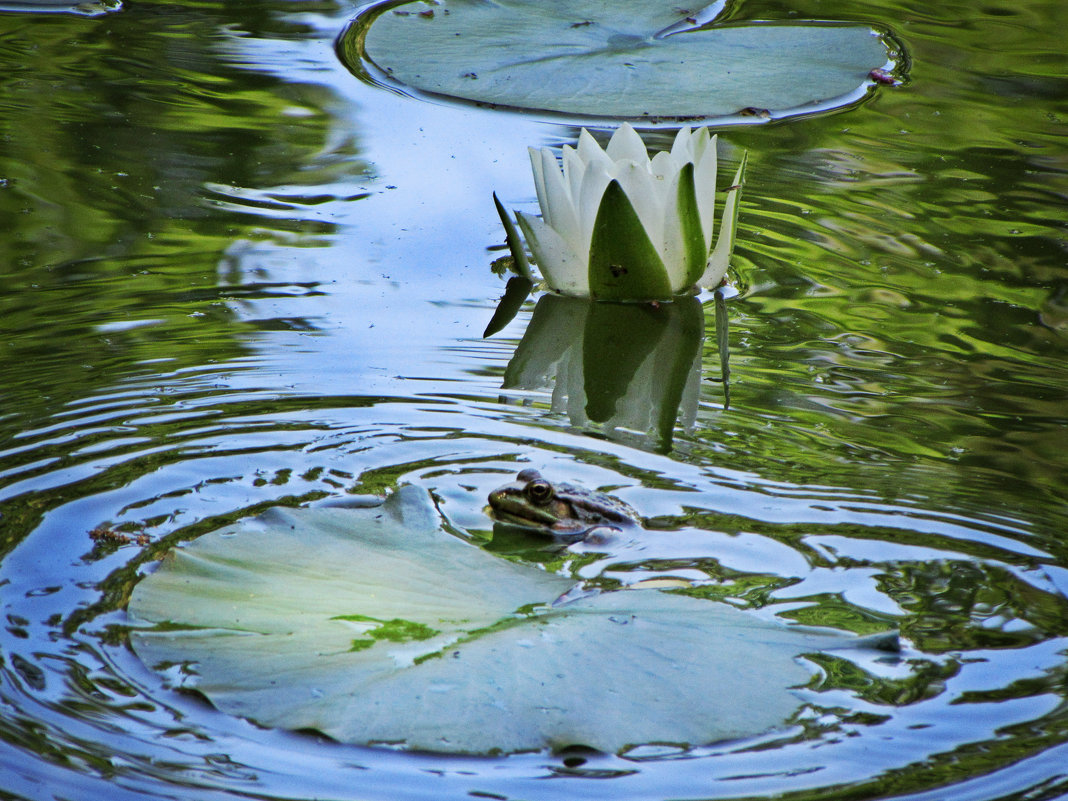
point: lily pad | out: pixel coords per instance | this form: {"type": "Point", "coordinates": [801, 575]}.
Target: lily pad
{"type": "Point", "coordinates": [376, 626]}
{"type": "Point", "coordinates": [630, 59]}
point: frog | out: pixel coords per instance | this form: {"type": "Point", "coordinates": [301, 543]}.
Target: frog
{"type": "Point", "coordinates": [563, 511]}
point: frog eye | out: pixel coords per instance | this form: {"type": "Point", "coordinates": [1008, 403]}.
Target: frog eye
{"type": "Point", "coordinates": [539, 491]}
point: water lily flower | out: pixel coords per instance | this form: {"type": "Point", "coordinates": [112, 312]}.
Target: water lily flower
{"type": "Point", "coordinates": [617, 225]}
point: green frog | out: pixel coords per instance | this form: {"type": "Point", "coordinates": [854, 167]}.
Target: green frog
{"type": "Point", "coordinates": [564, 511]}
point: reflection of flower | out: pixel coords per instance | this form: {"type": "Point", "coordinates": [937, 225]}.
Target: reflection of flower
{"type": "Point", "coordinates": [618, 226]}
{"type": "Point", "coordinates": [631, 371]}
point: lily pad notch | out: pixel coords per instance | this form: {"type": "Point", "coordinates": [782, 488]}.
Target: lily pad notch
{"type": "Point", "coordinates": [644, 61]}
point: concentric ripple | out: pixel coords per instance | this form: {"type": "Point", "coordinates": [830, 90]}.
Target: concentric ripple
{"type": "Point", "coordinates": [236, 278]}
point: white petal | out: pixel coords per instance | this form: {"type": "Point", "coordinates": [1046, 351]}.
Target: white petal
{"type": "Point", "coordinates": [627, 145]}
{"type": "Point", "coordinates": [562, 268]}
{"type": "Point", "coordinates": [699, 143]}
{"type": "Point", "coordinates": [665, 164]}
{"type": "Point", "coordinates": [664, 169]}
{"type": "Point", "coordinates": [682, 148]}
{"type": "Point", "coordinates": [589, 151]}
{"type": "Point", "coordinates": [595, 179]}
{"type": "Point", "coordinates": [557, 210]}
{"type": "Point", "coordinates": [704, 178]}
{"type": "Point", "coordinates": [539, 177]}
{"type": "Point", "coordinates": [573, 170]}
{"type": "Point", "coordinates": [671, 245]}
{"type": "Point", "coordinates": [637, 184]}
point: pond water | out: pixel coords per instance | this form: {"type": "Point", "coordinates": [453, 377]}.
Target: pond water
{"type": "Point", "coordinates": [232, 276]}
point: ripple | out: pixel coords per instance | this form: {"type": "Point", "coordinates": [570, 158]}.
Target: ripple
{"type": "Point", "coordinates": [197, 476]}
{"type": "Point", "coordinates": [214, 303]}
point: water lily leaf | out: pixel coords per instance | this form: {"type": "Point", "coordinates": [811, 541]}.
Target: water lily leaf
{"type": "Point", "coordinates": [374, 625]}
{"type": "Point", "coordinates": [633, 59]}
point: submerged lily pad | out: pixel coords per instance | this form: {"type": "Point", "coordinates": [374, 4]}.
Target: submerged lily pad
{"type": "Point", "coordinates": [632, 59]}
{"type": "Point", "coordinates": [376, 626]}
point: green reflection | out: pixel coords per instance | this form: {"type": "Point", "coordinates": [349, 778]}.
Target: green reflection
{"type": "Point", "coordinates": [959, 604]}
{"type": "Point", "coordinates": [899, 335]}
{"type": "Point", "coordinates": [901, 323]}
{"type": "Point", "coordinates": [625, 370]}
{"type": "Point", "coordinates": [136, 150]}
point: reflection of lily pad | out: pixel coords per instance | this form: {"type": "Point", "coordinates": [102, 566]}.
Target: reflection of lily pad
{"type": "Point", "coordinates": [86, 8]}
{"type": "Point", "coordinates": [634, 59]}
{"type": "Point", "coordinates": [374, 625]}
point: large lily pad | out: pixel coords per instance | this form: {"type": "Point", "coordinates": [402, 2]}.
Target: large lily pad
{"type": "Point", "coordinates": [632, 59]}
{"type": "Point", "coordinates": [374, 625]}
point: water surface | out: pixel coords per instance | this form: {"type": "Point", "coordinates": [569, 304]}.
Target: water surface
{"type": "Point", "coordinates": [232, 275]}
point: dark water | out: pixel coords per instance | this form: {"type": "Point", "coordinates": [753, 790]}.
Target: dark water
{"type": "Point", "coordinates": [232, 275]}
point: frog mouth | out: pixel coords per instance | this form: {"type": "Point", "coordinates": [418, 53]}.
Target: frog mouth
{"type": "Point", "coordinates": [504, 516]}
{"type": "Point", "coordinates": [562, 531]}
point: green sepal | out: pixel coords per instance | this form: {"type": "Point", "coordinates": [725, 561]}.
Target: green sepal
{"type": "Point", "coordinates": [515, 244]}
{"type": "Point", "coordinates": [695, 249]}
{"type": "Point", "coordinates": [515, 293]}
{"type": "Point", "coordinates": [624, 263]}
{"type": "Point", "coordinates": [719, 261]}
{"type": "Point", "coordinates": [730, 210]}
